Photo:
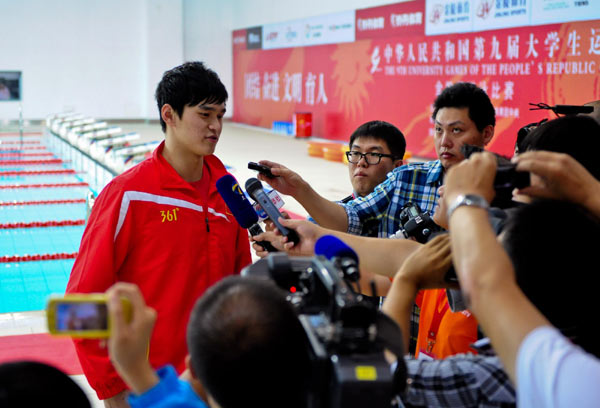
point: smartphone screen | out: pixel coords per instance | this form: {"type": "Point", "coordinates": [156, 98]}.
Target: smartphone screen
{"type": "Point", "coordinates": [81, 316]}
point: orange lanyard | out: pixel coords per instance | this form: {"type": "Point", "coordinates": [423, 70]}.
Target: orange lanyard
{"type": "Point", "coordinates": [436, 320]}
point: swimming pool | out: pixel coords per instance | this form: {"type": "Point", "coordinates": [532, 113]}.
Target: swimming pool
{"type": "Point", "coordinates": [29, 195]}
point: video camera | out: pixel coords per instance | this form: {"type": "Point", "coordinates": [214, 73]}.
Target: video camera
{"type": "Point", "coordinates": [346, 333]}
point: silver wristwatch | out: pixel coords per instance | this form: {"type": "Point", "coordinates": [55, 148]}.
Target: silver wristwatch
{"type": "Point", "coordinates": [472, 200]}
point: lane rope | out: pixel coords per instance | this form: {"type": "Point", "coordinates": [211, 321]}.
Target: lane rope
{"type": "Point", "coordinates": [36, 172]}
{"type": "Point", "coordinates": [42, 224]}
{"type": "Point", "coordinates": [37, 257]}
{"type": "Point", "coordinates": [29, 162]}
{"type": "Point", "coordinates": [41, 202]}
{"type": "Point", "coordinates": [49, 185]}
{"type": "Point", "coordinates": [16, 154]}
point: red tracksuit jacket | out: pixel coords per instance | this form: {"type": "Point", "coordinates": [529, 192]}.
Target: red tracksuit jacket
{"type": "Point", "coordinates": [152, 228]}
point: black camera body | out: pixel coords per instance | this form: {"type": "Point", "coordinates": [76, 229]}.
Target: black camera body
{"type": "Point", "coordinates": [346, 333]}
{"type": "Point", "coordinates": [417, 224]}
{"type": "Point", "coordinates": [506, 180]}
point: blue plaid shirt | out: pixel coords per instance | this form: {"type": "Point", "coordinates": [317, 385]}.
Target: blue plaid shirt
{"type": "Point", "coordinates": [464, 380]}
{"type": "Point", "coordinates": [417, 183]}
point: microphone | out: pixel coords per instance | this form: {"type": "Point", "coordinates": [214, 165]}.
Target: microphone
{"type": "Point", "coordinates": [255, 189]}
{"type": "Point", "coordinates": [240, 207]}
{"type": "Point", "coordinates": [337, 251]}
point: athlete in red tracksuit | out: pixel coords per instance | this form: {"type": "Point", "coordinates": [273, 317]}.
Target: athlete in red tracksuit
{"type": "Point", "coordinates": [173, 238]}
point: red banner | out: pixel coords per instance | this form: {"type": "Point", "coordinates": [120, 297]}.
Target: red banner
{"type": "Point", "coordinates": [391, 21]}
{"type": "Point", "coordinates": [397, 78]}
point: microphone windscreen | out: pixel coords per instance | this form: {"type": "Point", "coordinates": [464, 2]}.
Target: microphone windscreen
{"type": "Point", "coordinates": [332, 247]}
{"type": "Point", "coordinates": [253, 184]}
{"type": "Point", "coordinates": [237, 202]}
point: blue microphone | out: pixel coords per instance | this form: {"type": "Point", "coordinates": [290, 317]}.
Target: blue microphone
{"type": "Point", "coordinates": [240, 207]}
{"type": "Point", "coordinates": [337, 251]}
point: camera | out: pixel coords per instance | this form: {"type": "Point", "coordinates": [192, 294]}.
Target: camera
{"type": "Point", "coordinates": [416, 224]}
{"type": "Point", "coordinates": [346, 333]}
{"type": "Point", "coordinates": [82, 315]}
{"type": "Point", "coordinates": [506, 180]}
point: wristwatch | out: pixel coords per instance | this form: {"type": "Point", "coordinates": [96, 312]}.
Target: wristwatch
{"type": "Point", "coordinates": [471, 200]}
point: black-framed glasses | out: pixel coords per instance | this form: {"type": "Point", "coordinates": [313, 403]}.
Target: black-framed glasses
{"type": "Point", "coordinates": [371, 158]}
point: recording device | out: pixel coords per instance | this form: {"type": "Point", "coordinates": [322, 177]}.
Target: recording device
{"type": "Point", "coordinates": [264, 170]}
{"type": "Point", "coordinates": [240, 207]}
{"type": "Point", "coordinates": [255, 189]}
{"type": "Point", "coordinates": [82, 315]}
{"type": "Point", "coordinates": [346, 333]}
{"type": "Point", "coordinates": [506, 180]}
{"type": "Point", "coordinates": [414, 223]}
{"type": "Point", "coordinates": [557, 109]}
{"type": "Point", "coordinates": [563, 109]}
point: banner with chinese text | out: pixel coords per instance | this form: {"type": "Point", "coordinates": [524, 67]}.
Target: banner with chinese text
{"type": "Point", "coordinates": [393, 72]}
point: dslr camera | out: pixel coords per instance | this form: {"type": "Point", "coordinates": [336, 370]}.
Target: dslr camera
{"type": "Point", "coordinates": [417, 224]}
{"type": "Point", "coordinates": [346, 333]}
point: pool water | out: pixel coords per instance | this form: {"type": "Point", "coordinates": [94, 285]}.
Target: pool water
{"type": "Point", "coordinates": [25, 286]}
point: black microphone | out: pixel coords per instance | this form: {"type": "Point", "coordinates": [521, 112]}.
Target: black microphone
{"type": "Point", "coordinates": [255, 189]}
{"type": "Point", "coordinates": [241, 208]}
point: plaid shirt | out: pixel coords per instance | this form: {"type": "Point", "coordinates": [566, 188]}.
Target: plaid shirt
{"type": "Point", "coordinates": [465, 380]}
{"type": "Point", "coordinates": [417, 183]}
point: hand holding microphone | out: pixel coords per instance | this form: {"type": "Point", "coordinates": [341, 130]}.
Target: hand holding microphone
{"type": "Point", "coordinates": [255, 189]}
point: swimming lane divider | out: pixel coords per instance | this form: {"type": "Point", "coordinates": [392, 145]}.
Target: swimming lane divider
{"type": "Point", "coordinates": [36, 172]}
{"type": "Point", "coordinates": [41, 202]}
{"type": "Point", "coordinates": [37, 257]}
{"type": "Point", "coordinates": [15, 186]}
{"type": "Point", "coordinates": [14, 142]}
{"type": "Point", "coordinates": [29, 162]}
{"type": "Point", "coordinates": [17, 154]}
{"type": "Point", "coordinates": [17, 150]}
{"type": "Point", "coordinates": [42, 224]}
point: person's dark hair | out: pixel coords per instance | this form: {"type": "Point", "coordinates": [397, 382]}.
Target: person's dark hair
{"type": "Point", "coordinates": [247, 346]}
{"type": "Point", "coordinates": [467, 95]}
{"type": "Point", "coordinates": [188, 85]}
{"type": "Point", "coordinates": [577, 136]}
{"type": "Point", "coordinates": [552, 245]}
{"type": "Point", "coordinates": [380, 130]}
{"type": "Point", "coordinates": [33, 384]}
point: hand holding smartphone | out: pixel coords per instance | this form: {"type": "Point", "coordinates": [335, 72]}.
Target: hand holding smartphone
{"type": "Point", "coordinates": [264, 170]}
{"type": "Point", "coordinates": [82, 315]}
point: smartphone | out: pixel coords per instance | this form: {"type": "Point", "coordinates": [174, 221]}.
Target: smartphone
{"type": "Point", "coordinates": [264, 170]}
{"type": "Point", "coordinates": [81, 315]}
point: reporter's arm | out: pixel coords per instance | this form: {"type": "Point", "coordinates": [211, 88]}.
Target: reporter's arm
{"type": "Point", "coordinates": [484, 270]}
{"type": "Point", "coordinates": [377, 255]}
{"type": "Point", "coordinates": [128, 343]}
{"type": "Point", "coordinates": [487, 278]}
{"type": "Point", "coordinates": [326, 213]}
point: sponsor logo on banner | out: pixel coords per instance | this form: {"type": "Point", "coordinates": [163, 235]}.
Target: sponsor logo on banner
{"type": "Point", "coordinates": [328, 29]}
{"type": "Point", "coordinates": [239, 39]}
{"type": "Point", "coordinates": [281, 35]}
{"type": "Point", "coordinates": [493, 14]}
{"type": "Point", "coordinates": [254, 38]}
{"type": "Point", "coordinates": [449, 16]}
{"type": "Point", "coordinates": [391, 20]}
{"type": "Point", "coordinates": [558, 11]}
